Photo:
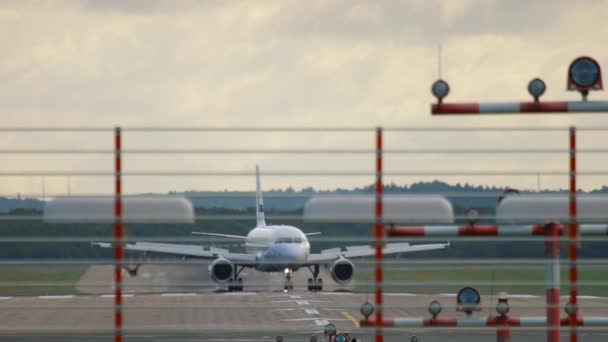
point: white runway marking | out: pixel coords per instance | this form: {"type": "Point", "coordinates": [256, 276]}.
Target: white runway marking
{"type": "Point", "coordinates": [178, 294]}
{"type": "Point", "coordinates": [56, 297]}
{"type": "Point", "coordinates": [321, 322]}
{"type": "Point", "coordinates": [522, 296]}
{"type": "Point", "coordinates": [448, 294]}
{"type": "Point", "coordinates": [583, 297]}
{"type": "Point", "coordinates": [295, 297]}
{"type": "Point", "coordinates": [239, 293]}
{"type": "Point", "coordinates": [112, 296]}
{"type": "Point", "coordinates": [313, 319]}
{"type": "Point", "coordinates": [5, 298]}
{"type": "Point", "coordinates": [302, 302]}
{"type": "Point", "coordinates": [401, 294]}
{"type": "Point", "coordinates": [312, 311]}
{"type": "Point", "coordinates": [336, 293]}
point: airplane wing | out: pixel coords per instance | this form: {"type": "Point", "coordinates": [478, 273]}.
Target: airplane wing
{"type": "Point", "coordinates": [185, 250]}
{"type": "Point", "coordinates": [330, 255]}
{"type": "Point", "coordinates": [221, 235]}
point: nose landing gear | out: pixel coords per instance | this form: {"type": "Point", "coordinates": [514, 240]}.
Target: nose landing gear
{"type": "Point", "coordinates": [288, 279]}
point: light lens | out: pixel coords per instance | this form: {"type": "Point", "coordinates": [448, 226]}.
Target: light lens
{"type": "Point", "coordinates": [472, 215]}
{"type": "Point", "coordinates": [584, 72]}
{"type": "Point", "coordinates": [340, 338]}
{"type": "Point", "coordinates": [468, 296]}
{"type": "Point", "coordinates": [570, 308]}
{"type": "Point", "coordinates": [503, 308]}
{"type": "Point", "coordinates": [330, 329]}
{"type": "Point", "coordinates": [440, 89]}
{"type": "Point", "coordinates": [367, 309]}
{"type": "Point", "coordinates": [536, 87]}
{"type": "Point", "coordinates": [434, 308]}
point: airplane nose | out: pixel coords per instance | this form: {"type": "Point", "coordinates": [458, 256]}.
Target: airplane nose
{"type": "Point", "coordinates": [290, 253]}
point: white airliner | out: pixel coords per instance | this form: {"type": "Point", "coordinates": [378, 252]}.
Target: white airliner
{"type": "Point", "coordinates": [273, 248]}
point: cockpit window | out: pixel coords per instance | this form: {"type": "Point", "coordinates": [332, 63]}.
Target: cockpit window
{"type": "Point", "coordinates": [289, 240]}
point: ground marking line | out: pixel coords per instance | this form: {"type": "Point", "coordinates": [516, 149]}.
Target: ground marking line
{"type": "Point", "coordinates": [351, 318]}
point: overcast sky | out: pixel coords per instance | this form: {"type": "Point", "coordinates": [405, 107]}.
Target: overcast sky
{"type": "Point", "coordinates": [287, 63]}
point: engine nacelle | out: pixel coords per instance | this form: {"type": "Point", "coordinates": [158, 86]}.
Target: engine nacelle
{"type": "Point", "coordinates": [221, 270]}
{"type": "Point", "coordinates": [342, 271]}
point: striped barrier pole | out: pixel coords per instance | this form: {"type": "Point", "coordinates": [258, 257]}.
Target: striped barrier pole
{"type": "Point", "coordinates": [553, 281]}
{"type": "Point", "coordinates": [488, 230]}
{"type": "Point", "coordinates": [481, 322]}
{"type": "Point", "coordinates": [573, 241]}
{"type": "Point", "coordinates": [379, 235]}
{"type": "Point", "coordinates": [519, 107]}
{"type": "Point", "coordinates": [118, 238]}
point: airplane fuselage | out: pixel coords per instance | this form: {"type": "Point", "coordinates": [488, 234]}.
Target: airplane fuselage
{"type": "Point", "coordinates": [278, 248]}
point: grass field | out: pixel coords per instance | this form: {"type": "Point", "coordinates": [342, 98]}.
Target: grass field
{"type": "Point", "coordinates": [484, 279]}
{"type": "Point", "coordinates": [39, 280]}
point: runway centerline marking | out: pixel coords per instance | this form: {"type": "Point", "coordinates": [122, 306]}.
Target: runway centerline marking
{"type": "Point", "coordinates": [321, 322]}
{"type": "Point", "coordinates": [302, 302]}
{"type": "Point", "coordinates": [312, 311]}
{"type": "Point", "coordinates": [177, 294]}
{"type": "Point", "coordinates": [56, 297]}
{"type": "Point", "coordinates": [5, 298]}
{"type": "Point", "coordinates": [351, 318]}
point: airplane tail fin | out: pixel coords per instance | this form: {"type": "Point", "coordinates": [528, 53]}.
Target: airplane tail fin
{"type": "Point", "coordinates": [259, 201]}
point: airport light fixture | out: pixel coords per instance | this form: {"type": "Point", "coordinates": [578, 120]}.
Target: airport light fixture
{"type": "Point", "coordinates": [434, 308]}
{"type": "Point", "coordinates": [468, 300]}
{"type": "Point", "coordinates": [570, 308]}
{"type": "Point", "coordinates": [584, 75]}
{"type": "Point", "coordinates": [440, 89]}
{"type": "Point", "coordinates": [330, 330]}
{"type": "Point", "coordinates": [341, 338]}
{"type": "Point", "coordinates": [472, 216]}
{"type": "Point", "coordinates": [503, 306]}
{"type": "Point", "coordinates": [536, 87]}
{"type": "Point", "coordinates": [367, 309]}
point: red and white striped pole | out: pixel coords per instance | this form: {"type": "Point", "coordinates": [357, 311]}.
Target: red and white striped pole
{"type": "Point", "coordinates": [552, 252]}
{"type": "Point", "coordinates": [479, 322]}
{"type": "Point", "coordinates": [379, 235]}
{"type": "Point", "coordinates": [488, 230]}
{"type": "Point", "coordinates": [118, 238]}
{"type": "Point", "coordinates": [573, 239]}
{"type": "Point", "coordinates": [442, 108]}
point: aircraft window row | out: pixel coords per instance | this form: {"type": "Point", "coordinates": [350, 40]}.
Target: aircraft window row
{"type": "Point", "coordinates": [289, 240]}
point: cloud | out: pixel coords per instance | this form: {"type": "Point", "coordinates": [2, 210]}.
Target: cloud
{"type": "Point", "coordinates": [281, 63]}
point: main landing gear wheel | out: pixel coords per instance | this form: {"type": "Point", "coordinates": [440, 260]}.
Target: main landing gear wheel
{"type": "Point", "coordinates": [235, 286]}
{"type": "Point", "coordinates": [315, 283]}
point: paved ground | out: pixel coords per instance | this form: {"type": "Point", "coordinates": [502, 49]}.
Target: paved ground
{"type": "Point", "coordinates": [187, 313]}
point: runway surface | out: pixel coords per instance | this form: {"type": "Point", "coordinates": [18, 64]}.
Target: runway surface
{"type": "Point", "coordinates": [178, 312]}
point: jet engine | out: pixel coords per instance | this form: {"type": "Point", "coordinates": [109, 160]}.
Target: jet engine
{"type": "Point", "coordinates": [221, 270]}
{"type": "Point", "coordinates": [342, 271]}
